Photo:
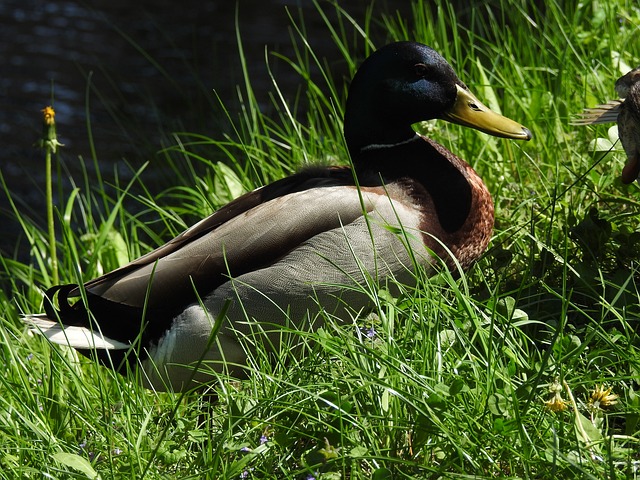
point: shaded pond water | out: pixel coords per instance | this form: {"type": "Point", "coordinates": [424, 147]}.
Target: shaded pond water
{"type": "Point", "coordinates": [141, 69]}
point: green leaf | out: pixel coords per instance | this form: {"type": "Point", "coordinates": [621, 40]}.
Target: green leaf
{"type": "Point", "coordinates": [442, 389]}
{"type": "Point", "coordinates": [507, 307]}
{"type": "Point", "coordinates": [587, 432]}
{"type": "Point", "coordinates": [600, 147]}
{"type": "Point", "coordinates": [381, 474]}
{"type": "Point", "coordinates": [612, 133]}
{"type": "Point", "coordinates": [226, 180]}
{"type": "Point", "coordinates": [488, 93]}
{"type": "Point", "coordinates": [358, 451]}
{"type": "Point", "coordinates": [119, 246]}
{"type": "Point", "coordinates": [447, 338]}
{"type": "Point", "coordinates": [76, 462]}
{"type": "Point", "coordinates": [623, 66]}
{"type": "Point", "coordinates": [456, 386]}
{"type": "Point", "coordinates": [497, 404]}
{"type": "Point", "coordinates": [384, 400]}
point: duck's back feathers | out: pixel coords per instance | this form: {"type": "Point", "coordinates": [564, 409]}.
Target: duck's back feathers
{"type": "Point", "coordinates": [605, 113]}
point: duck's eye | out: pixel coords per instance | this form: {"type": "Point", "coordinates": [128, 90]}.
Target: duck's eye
{"type": "Point", "coordinates": [420, 69]}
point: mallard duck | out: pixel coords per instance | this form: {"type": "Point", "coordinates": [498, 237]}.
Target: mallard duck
{"type": "Point", "coordinates": [625, 111]}
{"type": "Point", "coordinates": [279, 254]}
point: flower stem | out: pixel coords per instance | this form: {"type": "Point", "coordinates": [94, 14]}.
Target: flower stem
{"type": "Point", "coordinates": [50, 144]}
{"type": "Point", "coordinates": [50, 224]}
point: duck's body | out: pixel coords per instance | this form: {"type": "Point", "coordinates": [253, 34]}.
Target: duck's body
{"type": "Point", "coordinates": [625, 111]}
{"type": "Point", "coordinates": [281, 253]}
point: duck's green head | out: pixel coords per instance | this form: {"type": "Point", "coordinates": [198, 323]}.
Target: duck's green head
{"type": "Point", "coordinates": [407, 82]}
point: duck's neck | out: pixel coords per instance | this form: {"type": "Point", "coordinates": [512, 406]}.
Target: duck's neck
{"type": "Point", "coordinates": [368, 122]}
{"type": "Point", "coordinates": [360, 140]}
{"type": "Point", "coordinates": [449, 181]}
{"type": "Point", "coordinates": [447, 189]}
{"type": "Point", "coordinates": [370, 147]}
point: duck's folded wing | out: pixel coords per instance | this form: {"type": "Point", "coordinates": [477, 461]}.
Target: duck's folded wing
{"type": "Point", "coordinates": [296, 183]}
{"type": "Point", "coordinates": [605, 113]}
{"type": "Point", "coordinates": [251, 240]}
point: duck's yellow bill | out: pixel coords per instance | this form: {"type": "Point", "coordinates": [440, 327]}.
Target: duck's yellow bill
{"type": "Point", "coordinates": [470, 112]}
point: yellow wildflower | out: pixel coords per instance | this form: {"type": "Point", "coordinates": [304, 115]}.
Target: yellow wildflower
{"type": "Point", "coordinates": [49, 139]}
{"type": "Point", "coordinates": [556, 403]}
{"type": "Point", "coordinates": [49, 115]}
{"type": "Point", "coordinates": [602, 397]}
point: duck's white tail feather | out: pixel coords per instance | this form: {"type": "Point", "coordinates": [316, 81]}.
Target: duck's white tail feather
{"type": "Point", "coordinates": [76, 337]}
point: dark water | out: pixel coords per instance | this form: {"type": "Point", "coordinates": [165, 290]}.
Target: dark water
{"type": "Point", "coordinates": [142, 69]}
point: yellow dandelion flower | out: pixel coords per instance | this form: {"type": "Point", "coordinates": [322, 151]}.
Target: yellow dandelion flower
{"type": "Point", "coordinates": [602, 397]}
{"type": "Point", "coordinates": [556, 403]}
{"type": "Point", "coordinates": [49, 139]}
{"type": "Point", "coordinates": [49, 115]}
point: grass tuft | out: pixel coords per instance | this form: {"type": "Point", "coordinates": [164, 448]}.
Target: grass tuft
{"type": "Point", "coordinates": [526, 367]}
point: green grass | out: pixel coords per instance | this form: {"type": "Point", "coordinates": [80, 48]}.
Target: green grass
{"type": "Point", "coordinates": [448, 379]}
